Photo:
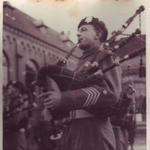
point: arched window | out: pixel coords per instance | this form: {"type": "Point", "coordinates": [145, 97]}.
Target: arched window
{"type": "Point", "coordinates": [5, 69]}
{"type": "Point", "coordinates": [31, 71]}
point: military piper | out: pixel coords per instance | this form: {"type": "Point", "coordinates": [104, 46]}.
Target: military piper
{"type": "Point", "coordinates": [88, 128]}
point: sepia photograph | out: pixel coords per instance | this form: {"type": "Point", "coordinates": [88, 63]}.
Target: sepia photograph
{"type": "Point", "coordinates": [74, 75]}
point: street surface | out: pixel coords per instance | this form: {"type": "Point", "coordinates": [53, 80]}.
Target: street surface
{"type": "Point", "coordinates": [140, 139]}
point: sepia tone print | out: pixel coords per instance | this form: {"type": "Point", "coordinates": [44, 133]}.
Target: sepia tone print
{"type": "Point", "coordinates": [74, 75]}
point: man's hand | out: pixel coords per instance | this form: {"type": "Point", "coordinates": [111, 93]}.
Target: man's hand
{"type": "Point", "coordinates": [128, 91]}
{"type": "Point", "coordinates": [52, 98]}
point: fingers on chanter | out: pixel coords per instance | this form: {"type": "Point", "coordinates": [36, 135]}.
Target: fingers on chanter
{"type": "Point", "coordinates": [53, 85]}
{"type": "Point", "coordinates": [45, 94]}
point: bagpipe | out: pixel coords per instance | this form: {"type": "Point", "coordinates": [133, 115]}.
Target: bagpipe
{"type": "Point", "coordinates": [69, 80]}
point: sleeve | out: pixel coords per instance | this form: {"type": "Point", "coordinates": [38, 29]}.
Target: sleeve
{"type": "Point", "coordinates": [16, 121]}
{"type": "Point", "coordinates": [101, 94]}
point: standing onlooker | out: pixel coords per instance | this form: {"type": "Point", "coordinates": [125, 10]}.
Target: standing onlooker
{"type": "Point", "coordinates": [15, 120]}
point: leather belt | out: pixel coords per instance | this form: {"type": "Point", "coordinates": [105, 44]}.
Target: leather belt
{"type": "Point", "coordinates": [80, 113]}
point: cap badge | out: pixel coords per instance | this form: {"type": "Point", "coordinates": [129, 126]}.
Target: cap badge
{"type": "Point", "coordinates": [89, 19]}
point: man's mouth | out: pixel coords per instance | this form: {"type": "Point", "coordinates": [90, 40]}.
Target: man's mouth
{"type": "Point", "coordinates": [80, 40]}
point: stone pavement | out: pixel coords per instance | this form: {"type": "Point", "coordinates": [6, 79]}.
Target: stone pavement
{"type": "Point", "coordinates": [140, 143]}
{"type": "Point", "coordinates": [140, 139]}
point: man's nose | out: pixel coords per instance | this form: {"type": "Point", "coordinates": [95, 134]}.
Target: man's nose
{"type": "Point", "coordinates": [79, 34]}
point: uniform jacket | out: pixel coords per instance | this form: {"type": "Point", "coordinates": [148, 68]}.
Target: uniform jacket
{"type": "Point", "coordinates": [102, 92]}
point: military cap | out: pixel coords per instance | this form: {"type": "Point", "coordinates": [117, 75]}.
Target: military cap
{"type": "Point", "coordinates": [99, 26]}
{"type": "Point", "coordinates": [17, 84]}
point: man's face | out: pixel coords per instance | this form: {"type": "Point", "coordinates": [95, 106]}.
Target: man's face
{"type": "Point", "coordinates": [12, 91]}
{"type": "Point", "coordinates": [38, 90]}
{"type": "Point", "coordinates": [87, 36]}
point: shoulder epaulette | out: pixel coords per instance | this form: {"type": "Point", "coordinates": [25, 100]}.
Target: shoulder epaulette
{"type": "Point", "coordinates": [103, 54]}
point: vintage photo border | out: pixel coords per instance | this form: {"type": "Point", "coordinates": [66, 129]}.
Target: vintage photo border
{"type": "Point", "coordinates": [147, 70]}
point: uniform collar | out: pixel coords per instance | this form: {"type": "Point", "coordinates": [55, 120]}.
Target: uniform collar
{"type": "Point", "coordinates": [90, 52]}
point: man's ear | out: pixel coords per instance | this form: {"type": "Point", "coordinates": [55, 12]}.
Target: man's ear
{"type": "Point", "coordinates": [98, 36]}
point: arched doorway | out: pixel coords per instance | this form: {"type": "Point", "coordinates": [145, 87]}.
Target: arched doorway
{"type": "Point", "coordinates": [5, 69]}
{"type": "Point", "coordinates": [31, 71]}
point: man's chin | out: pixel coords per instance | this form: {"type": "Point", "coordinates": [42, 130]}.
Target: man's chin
{"type": "Point", "coordinates": [83, 47]}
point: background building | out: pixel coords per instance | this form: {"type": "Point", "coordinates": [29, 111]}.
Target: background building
{"type": "Point", "coordinates": [29, 44]}
{"type": "Point", "coordinates": [134, 71]}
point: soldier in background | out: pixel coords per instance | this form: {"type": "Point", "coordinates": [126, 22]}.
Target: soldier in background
{"type": "Point", "coordinates": [90, 127]}
{"type": "Point", "coordinates": [39, 124]}
{"type": "Point", "coordinates": [14, 121]}
{"type": "Point", "coordinates": [123, 120]}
